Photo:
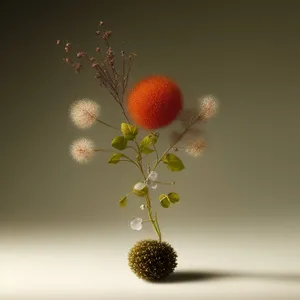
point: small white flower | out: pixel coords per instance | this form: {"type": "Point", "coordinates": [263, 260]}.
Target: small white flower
{"type": "Point", "coordinates": [152, 176]}
{"type": "Point", "coordinates": [136, 224]}
{"type": "Point", "coordinates": [151, 180]}
{"type": "Point", "coordinates": [142, 207]}
{"type": "Point", "coordinates": [139, 186]}
{"type": "Point", "coordinates": [84, 113]}
{"type": "Point", "coordinates": [153, 185]}
{"type": "Point", "coordinates": [82, 150]}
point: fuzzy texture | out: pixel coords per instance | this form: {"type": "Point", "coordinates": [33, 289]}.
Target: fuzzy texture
{"type": "Point", "coordinates": [152, 260]}
{"type": "Point", "coordinates": [82, 150]}
{"type": "Point", "coordinates": [208, 106]}
{"type": "Point", "coordinates": [84, 113]}
{"type": "Point", "coordinates": [196, 147]}
{"type": "Point", "coordinates": [154, 102]}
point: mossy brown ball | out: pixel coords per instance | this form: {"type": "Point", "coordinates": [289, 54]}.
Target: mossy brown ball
{"type": "Point", "coordinates": [152, 260]}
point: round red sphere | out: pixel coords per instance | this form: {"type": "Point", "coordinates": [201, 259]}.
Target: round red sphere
{"type": "Point", "coordinates": [154, 102]}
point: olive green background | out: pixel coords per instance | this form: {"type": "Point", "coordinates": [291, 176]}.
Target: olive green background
{"type": "Point", "coordinates": [245, 53]}
{"type": "Point", "coordinates": [61, 229]}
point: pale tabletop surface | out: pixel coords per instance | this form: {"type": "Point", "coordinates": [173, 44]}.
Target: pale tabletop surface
{"type": "Point", "coordinates": [90, 266]}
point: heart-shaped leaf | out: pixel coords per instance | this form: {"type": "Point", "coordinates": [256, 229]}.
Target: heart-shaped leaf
{"type": "Point", "coordinates": [147, 141]}
{"type": "Point", "coordinates": [173, 162]}
{"type": "Point", "coordinates": [174, 197]}
{"type": "Point", "coordinates": [115, 158]}
{"type": "Point", "coordinates": [147, 150]}
{"type": "Point", "coordinates": [164, 200]}
{"type": "Point", "coordinates": [119, 143]}
{"type": "Point", "coordinates": [129, 131]}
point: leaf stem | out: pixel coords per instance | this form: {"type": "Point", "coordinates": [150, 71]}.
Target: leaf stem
{"type": "Point", "coordinates": [131, 160]}
{"type": "Point", "coordinates": [156, 152]}
{"type": "Point", "coordinates": [139, 158]}
{"type": "Point", "coordinates": [103, 150]}
{"type": "Point", "coordinates": [106, 124]}
{"type": "Point", "coordinates": [165, 183]}
{"type": "Point", "coordinates": [176, 141]}
{"type": "Point", "coordinates": [133, 149]}
{"type": "Point", "coordinates": [146, 220]}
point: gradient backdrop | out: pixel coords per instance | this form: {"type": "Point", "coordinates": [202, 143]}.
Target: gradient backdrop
{"type": "Point", "coordinates": [62, 233]}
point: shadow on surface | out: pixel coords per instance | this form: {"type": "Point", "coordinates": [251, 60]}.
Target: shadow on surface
{"type": "Point", "coordinates": [192, 276]}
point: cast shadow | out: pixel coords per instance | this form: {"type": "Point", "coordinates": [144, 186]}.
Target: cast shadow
{"type": "Point", "coordinates": [202, 276]}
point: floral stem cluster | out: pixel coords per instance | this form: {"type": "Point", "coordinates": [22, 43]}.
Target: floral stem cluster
{"type": "Point", "coordinates": [85, 112]}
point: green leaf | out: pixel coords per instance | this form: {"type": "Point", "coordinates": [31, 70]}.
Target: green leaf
{"type": "Point", "coordinates": [115, 158]}
{"type": "Point", "coordinates": [154, 137]}
{"type": "Point", "coordinates": [119, 143]}
{"type": "Point", "coordinates": [164, 200]}
{"type": "Point", "coordinates": [173, 162]}
{"type": "Point", "coordinates": [147, 150]}
{"type": "Point", "coordinates": [123, 202]}
{"type": "Point", "coordinates": [146, 142]}
{"type": "Point", "coordinates": [174, 197]}
{"type": "Point", "coordinates": [129, 131]}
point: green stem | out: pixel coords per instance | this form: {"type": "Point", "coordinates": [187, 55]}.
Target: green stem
{"type": "Point", "coordinates": [156, 152]}
{"type": "Point", "coordinates": [139, 164]}
{"type": "Point", "coordinates": [165, 183]}
{"type": "Point", "coordinates": [131, 160]}
{"type": "Point", "coordinates": [176, 141]}
{"type": "Point", "coordinates": [133, 149]}
{"type": "Point", "coordinates": [139, 158]}
{"type": "Point", "coordinates": [156, 220]}
{"type": "Point", "coordinates": [153, 221]}
{"type": "Point", "coordinates": [103, 150]}
{"type": "Point", "coordinates": [146, 220]}
{"type": "Point", "coordinates": [104, 123]}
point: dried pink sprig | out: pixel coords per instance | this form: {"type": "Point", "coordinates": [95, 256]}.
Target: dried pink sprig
{"type": "Point", "coordinates": [82, 150]}
{"type": "Point", "coordinates": [84, 113]}
{"type": "Point", "coordinates": [114, 79]}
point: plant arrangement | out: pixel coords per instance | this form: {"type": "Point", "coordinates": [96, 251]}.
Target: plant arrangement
{"type": "Point", "coordinates": [151, 104]}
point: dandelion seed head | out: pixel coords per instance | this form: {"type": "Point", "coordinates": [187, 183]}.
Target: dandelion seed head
{"type": "Point", "coordinates": [82, 150]}
{"type": "Point", "coordinates": [208, 106]}
{"type": "Point", "coordinates": [196, 147]}
{"type": "Point", "coordinates": [84, 113]}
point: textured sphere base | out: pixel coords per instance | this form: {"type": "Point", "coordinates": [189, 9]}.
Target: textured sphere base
{"type": "Point", "coordinates": [152, 260]}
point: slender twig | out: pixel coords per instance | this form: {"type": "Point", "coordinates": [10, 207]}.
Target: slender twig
{"type": "Point", "coordinates": [106, 124]}
{"type": "Point", "coordinates": [177, 140]}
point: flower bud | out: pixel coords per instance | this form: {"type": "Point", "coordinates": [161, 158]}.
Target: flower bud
{"type": "Point", "coordinates": [140, 189]}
